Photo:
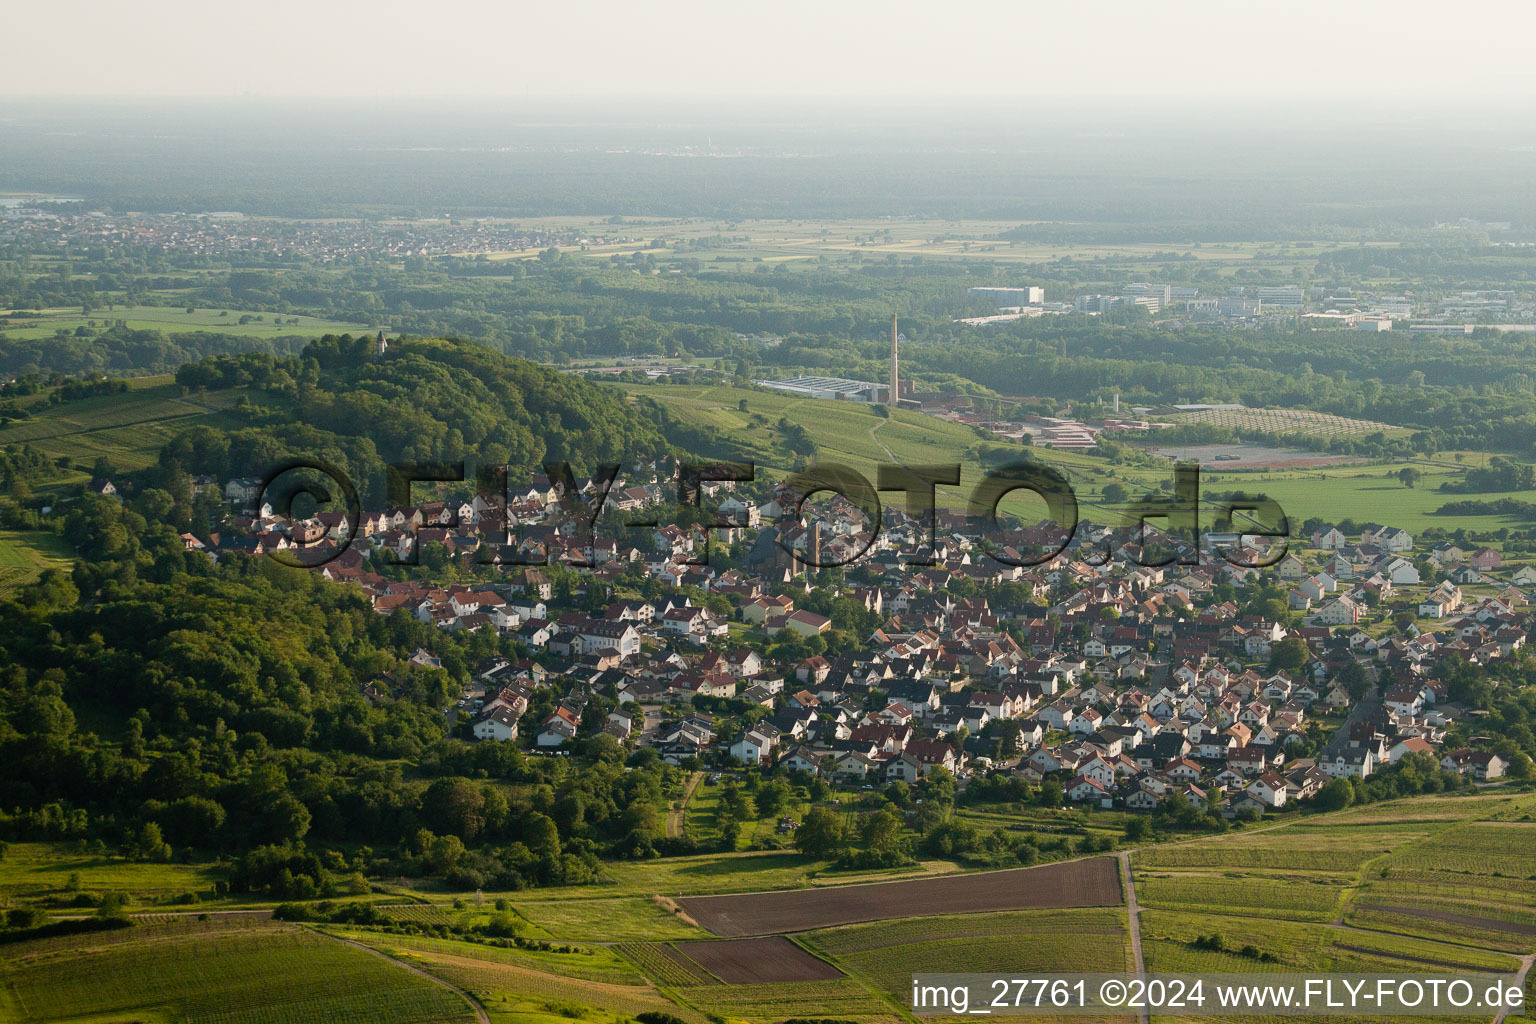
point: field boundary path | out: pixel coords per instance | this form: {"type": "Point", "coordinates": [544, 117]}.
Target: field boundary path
{"type": "Point", "coordinates": [1525, 970]}
{"type": "Point", "coordinates": [1083, 882]}
{"type": "Point", "coordinates": [873, 436]}
{"type": "Point", "coordinates": [474, 1004]}
{"type": "Point", "coordinates": [676, 818]}
{"type": "Point", "coordinates": [1133, 923]}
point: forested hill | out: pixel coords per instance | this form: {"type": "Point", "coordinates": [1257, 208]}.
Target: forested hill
{"type": "Point", "coordinates": [421, 401]}
{"type": "Point", "coordinates": [126, 350]}
{"type": "Point", "coordinates": [161, 700]}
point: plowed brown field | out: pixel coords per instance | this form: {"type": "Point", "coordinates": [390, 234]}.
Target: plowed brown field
{"type": "Point", "coordinates": [1083, 883]}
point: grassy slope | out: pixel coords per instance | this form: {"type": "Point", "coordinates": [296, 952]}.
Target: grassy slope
{"type": "Point", "coordinates": [176, 320]}
{"type": "Point", "coordinates": [1289, 891]}
{"type": "Point", "coordinates": [129, 429]}
{"type": "Point", "coordinates": [1293, 892]}
{"type": "Point", "coordinates": [44, 871]}
{"type": "Point", "coordinates": [842, 433]}
{"type": "Point", "coordinates": [24, 555]}
{"type": "Point", "coordinates": [230, 973]}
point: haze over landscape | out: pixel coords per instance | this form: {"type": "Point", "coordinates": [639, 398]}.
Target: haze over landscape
{"type": "Point", "coordinates": [697, 514]}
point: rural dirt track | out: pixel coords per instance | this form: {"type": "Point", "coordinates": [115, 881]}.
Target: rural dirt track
{"type": "Point", "coordinates": [677, 818]}
{"type": "Point", "coordinates": [1082, 883]}
{"type": "Point", "coordinates": [757, 961]}
{"type": "Point", "coordinates": [1133, 923]}
{"type": "Point", "coordinates": [474, 1004]}
{"type": "Point", "coordinates": [1446, 917]}
{"type": "Point", "coordinates": [1525, 970]}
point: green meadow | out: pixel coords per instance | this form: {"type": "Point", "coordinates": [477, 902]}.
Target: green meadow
{"type": "Point", "coordinates": [26, 554]}
{"type": "Point", "coordinates": [176, 320]}
{"type": "Point", "coordinates": [856, 435]}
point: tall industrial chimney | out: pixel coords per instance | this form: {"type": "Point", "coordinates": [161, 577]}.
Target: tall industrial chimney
{"type": "Point", "coordinates": [895, 370]}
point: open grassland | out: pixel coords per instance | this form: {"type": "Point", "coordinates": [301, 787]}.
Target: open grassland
{"type": "Point", "coordinates": [44, 871]}
{"type": "Point", "coordinates": [176, 320]}
{"type": "Point", "coordinates": [1363, 493]}
{"type": "Point", "coordinates": [604, 920]}
{"type": "Point", "coordinates": [26, 554]}
{"type": "Point", "coordinates": [676, 876]}
{"type": "Point", "coordinates": [216, 974]}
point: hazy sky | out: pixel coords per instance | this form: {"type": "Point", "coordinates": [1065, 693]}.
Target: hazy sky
{"type": "Point", "coordinates": [1218, 48]}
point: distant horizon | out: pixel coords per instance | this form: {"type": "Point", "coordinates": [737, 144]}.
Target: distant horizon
{"type": "Point", "coordinates": [1305, 50]}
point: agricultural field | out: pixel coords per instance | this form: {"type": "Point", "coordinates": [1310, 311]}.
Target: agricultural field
{"type": "Point", "coordinates": [1039, 940]}
{"type": "Point", "coordinates": [841, 999]}
{"type": "Point", "coordinates": [176, 320]}
{"type": "Point", "coordinates": [1411, 885]}
{"type": "Point", "coordinates": [1287, 421]}
{"type": "Point", "coordinates": [1278, 946]}
{"type": "Point", "coordinates": [756, 961]}
{"type": "Point", "coordinates": [697, 873]}
{"type": "Point", "coordinates": [1294, 897]}
{"type": "Point", "coordinates": [215, 973]}
{"type": "Point", "coordinates": [799, 241]}
{"type": "Point", "coordinates": [129, 429]}
{"type": "Point", "coordinates": [1301, 847]}
{"type": "Point", "coordinates": [663, 962]}
{"type": "Point", "coordinates": [855, 435]}
{"type": "Point", "coordinates": [417, 913]}
{"type": "Point", "coordinates": [26, 555]}
{"type": "Point", "coordinates": [1084, 883]}
{"type": "Point", "coordinates": [582, 962]}
{"type": "Point", "coordinates": [515, 992]}
{"type": "Point", "coordinates": [1477, 878]}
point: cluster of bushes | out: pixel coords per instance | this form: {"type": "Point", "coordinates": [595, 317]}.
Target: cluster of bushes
{"type": "Point", "coordinates": [1216, 944]}
{"type": "Point", "coordinates": [501, 930]}
{"type": "Point", "coordinates": [18, 930]}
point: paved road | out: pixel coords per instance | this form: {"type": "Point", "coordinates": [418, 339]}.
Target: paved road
{"type": "Point", "coordinates": [1133, 922]}
{"type": "Point", "coordinates": [1340, 739]}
